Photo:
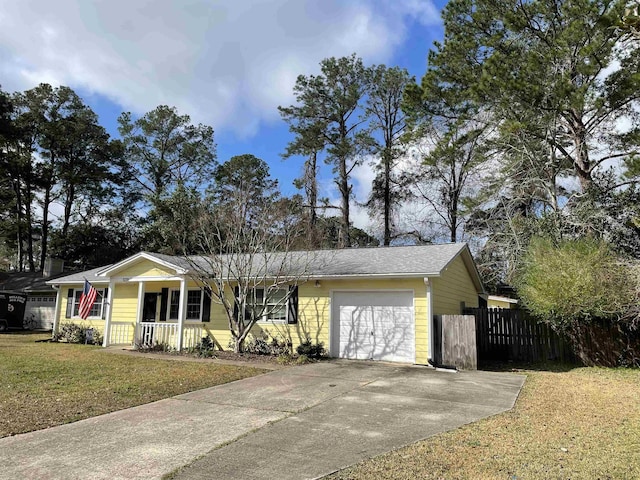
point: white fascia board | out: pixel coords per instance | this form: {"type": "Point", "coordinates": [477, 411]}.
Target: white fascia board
{"type": "Point", "coordinates": [502, 299]}
{"type": "Point", "coordinates": [79, 281]}
{"type": "Point", "coordinates": [147, 279]}
{"type": "Point", "coordinates": [374, 275]}
{"type": "Point", "coordinates": [142, 255]}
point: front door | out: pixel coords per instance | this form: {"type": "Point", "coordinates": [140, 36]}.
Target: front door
{"type": "Point", "coordinates": [149, 309]}
{"type": "Point", "coordinates": [146, 337]}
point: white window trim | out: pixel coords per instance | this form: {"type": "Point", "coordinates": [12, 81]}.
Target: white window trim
{"type": "Point", "coordinates": [190, 320]}
{"type": "Point", "coordinates": [264, 318]}
{"type": "Point", "coordinates": [99, 298]}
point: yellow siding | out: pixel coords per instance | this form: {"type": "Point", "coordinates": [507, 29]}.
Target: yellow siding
{"type": "Point", "coordinates": [95, 323]}
{"type": "Point", "coordinates": [495, 303]}
{"type": "Point", "coordinates": [314, 313]}
{"type": "Point", "coordinates": [452, 288]}
{"type": "Point", "coordinates": [124, 310]}
{"type": "Point", "coordinates": [146, 268]}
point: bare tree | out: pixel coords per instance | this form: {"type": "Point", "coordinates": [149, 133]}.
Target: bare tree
{"type": "Point", "coordinates": [250, 270]}
{"type": "Point", "coordinates": [452, 162]}
{"type": "Point", "coordinates": [249, 266]}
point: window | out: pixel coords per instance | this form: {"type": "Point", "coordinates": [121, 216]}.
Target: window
{"type": "Point", "coordinates": [174, 304]}
{"type": "Point", "coordinates": [194, 304]}
{"type": "Point", "coordinates": [97, 308]}
{"type": "Point", "coordinates": [274, 309]}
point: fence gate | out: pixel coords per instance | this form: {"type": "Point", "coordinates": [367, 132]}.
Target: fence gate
{"type": "Point", "coordinates": [455, 341]}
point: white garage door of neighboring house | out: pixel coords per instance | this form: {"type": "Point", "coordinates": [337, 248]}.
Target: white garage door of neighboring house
{"type": "Point", "coordinates": [377, 325]}
{"type": "Point", "coordinates": [43, 309]}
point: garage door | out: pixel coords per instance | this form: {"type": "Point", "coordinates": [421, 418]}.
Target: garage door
{"type": "Point", "coordinates": [40, 311]}
{"type": "Point", "coordinates": [376, 325]}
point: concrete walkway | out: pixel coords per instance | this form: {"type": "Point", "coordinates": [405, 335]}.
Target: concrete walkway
{"type": "Point", "coordinates": [300, 422]}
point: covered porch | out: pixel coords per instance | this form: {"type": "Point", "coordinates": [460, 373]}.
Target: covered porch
{"type": "Point", "coordinates": [155, 307]}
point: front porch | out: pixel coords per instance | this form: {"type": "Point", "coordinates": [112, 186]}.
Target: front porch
{"type": "Point", "coordinates": [154, 308]}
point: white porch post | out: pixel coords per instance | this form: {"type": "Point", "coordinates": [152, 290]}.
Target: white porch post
{"type": "Point", "coordinates": [56, 318]}
{"type": "Point", "coordinates": [107, 317]}
{"type": "Point", "coordinates": [139, 313]}
{"type": "Point", "coordinates": [182, 311]}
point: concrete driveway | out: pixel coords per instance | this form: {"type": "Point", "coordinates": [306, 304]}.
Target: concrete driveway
{"type": "Point", "coordinates": [300, 422]}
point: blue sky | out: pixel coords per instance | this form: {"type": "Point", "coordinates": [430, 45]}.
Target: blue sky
{"type": "Point", "coordinates": [228, 64]}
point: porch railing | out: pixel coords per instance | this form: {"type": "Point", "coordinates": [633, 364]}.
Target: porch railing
{"type": "Point", "coordinates": [149, 334]}
{"type": "Point", "coordinates": [191, 335]}
{"type": "Point", "coordinates": [121, 333]}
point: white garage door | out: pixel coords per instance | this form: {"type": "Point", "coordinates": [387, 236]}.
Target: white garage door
{"type": "Point", "coordinates": [377, 325]}
{"type": "Point", "coordinates": [40, 311]}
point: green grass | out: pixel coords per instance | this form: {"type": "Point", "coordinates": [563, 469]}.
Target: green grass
{"type": "Point", "coordinates": [581, 423]}
{"type": "Point", "coordinates": [47, 384]}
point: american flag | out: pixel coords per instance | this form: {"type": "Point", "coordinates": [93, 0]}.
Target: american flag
{"type": "Point", "coordinates": [87, 298]}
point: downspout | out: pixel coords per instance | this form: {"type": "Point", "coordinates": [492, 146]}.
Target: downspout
{"type": "Point", "coordinates": [429, 321]}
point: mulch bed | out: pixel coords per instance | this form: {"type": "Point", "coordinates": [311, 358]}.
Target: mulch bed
{"type": "Point", "coordinates": [245, 357]}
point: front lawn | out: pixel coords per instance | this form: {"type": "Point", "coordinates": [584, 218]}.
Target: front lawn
{"type": "Point", "coordinates": [47, 384]}
{"type": "Point", "coordinates": [582, 423]}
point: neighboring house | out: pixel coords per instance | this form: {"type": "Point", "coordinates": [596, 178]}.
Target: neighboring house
{"type": "Point", "coordinates": [497, 301]}
{"type": "Point", "coordinates": [41, 296]}
{"type": "Point", "coordinates": [366, 303]}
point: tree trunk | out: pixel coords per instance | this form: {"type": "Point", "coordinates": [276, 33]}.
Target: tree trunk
{"type": "Point", "coordinates": [344, 239]}
{"type": "Point", "coordinates": [29, 222]}
{"type": "Point", "coordinates": [20, 232]}
{"type": "Point", "coordinates": [68, 205]}
{"type": "Point", "coordinates": [581, 161]}
{"type": "Point", "coordinates": [387, 198]}
{"type": "Point", "coordinates": [45, 226]}
{"type": "Point", "coordinates": [311, 190]}
{"type": "Point", "coordinates": [238, 345]}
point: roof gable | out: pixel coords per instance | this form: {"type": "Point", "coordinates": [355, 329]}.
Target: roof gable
{"type": "Point", "coordinates": [144, 264]}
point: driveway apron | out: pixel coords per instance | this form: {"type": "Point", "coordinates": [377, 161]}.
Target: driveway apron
{"type": "Point", "coordinates": [300, 422]}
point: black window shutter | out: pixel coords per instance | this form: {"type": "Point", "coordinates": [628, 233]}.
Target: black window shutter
{"type": "Point", "coordinates": [104, 302]}
{"type": "Point", "coordinates": [292, 316]}
{"type": "Point", "coordinates": [69, 304]}
{"type": "Point", "coordinates": [164, 296]}
{"type": "Point", "coordinates": [236, 292]}
{"type": "Point", "coordinates": [206, 305]}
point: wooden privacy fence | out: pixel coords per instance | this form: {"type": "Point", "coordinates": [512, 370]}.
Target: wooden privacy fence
{"type": "Point", "coordinates": [455, 341]}
{"type": "Point", "coordinates": [509, 334]}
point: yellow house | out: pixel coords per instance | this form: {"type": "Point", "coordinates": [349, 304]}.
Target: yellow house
{"type": "Point", "coordinates": [362, 303]}
{"type": "Point", "coordinates": [498, 301]}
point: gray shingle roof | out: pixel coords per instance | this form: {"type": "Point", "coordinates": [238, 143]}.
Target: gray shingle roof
{"type": "Point", "coordinates": [420, 260]}
{"type": "Point", "coordinates": [406, 260]}
{"type": "Point", "coordinates": [79, 277]}
{"type": "Point", "coordinates": [27, 281]}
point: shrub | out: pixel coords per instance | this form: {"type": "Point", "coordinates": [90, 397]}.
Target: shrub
{"type": "Point", "coordinates": [302, 359]}
{"type": "Point", "coordinates": [265, 344]}
{"type": "Point", "coordinates": [573, 282]}
{"type": "Point", "coordinates": [284, 359]}
{"type": "Point", "coordinates": [156, 347]}
{"type": "Point", "coordinates": [74, 333]}
{"type": "Point", "coordinates": [587, 293]}
{"type": "Point", "coordinates": [311, 350]}
{"type": "Point", "coordinates": [205, 348]}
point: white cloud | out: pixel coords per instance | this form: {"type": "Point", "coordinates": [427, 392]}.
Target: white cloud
{"type": "Point", "coordinates": [226, 63]}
